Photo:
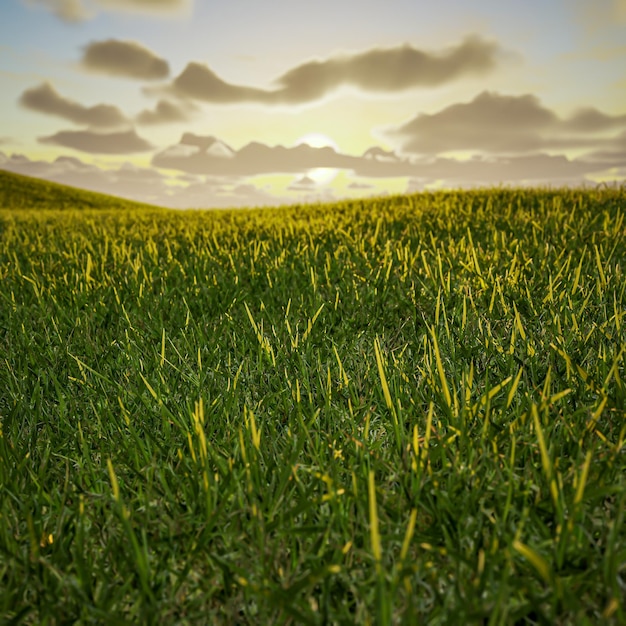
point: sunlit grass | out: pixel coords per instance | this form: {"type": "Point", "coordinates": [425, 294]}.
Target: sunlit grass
{"type": "Point", "coordinates": [407, 410]}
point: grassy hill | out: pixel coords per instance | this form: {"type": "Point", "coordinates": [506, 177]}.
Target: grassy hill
{"type": "Point", "coordinates": [407, 410]}
{"type": "Point", "coordinates": [25, 192]}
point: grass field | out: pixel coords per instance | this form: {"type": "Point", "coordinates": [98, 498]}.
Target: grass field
{"type": "Point", "coordinates": [404, 410]}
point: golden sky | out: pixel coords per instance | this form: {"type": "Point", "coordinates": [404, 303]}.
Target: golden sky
{"type": "Point", "coordinates": [240, 103]}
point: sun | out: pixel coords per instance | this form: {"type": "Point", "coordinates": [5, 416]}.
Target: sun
{"type": "Point", "coordinates": [321, 175]}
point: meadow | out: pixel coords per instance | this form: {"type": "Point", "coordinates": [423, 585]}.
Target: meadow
{"type": "Point", "coordinates": [405, 410]}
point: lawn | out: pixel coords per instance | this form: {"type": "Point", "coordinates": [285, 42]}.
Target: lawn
{"type": "Point", "coordinates": [401, 410]}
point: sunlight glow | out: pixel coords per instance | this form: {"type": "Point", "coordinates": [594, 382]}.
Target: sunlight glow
{"type": "Point", "coordinates": [321, 175]}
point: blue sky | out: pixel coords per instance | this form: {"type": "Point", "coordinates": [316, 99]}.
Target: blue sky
{"type": "Point", "coordinates": [207, 103]}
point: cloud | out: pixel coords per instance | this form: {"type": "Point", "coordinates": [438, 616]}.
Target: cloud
{"type": "Point", "coordinates": [124, 58]}
{"type": "Point", "coordinates": [534, 168]}
{"type": "Point", "coordinates": [611, 155]}
{"type": "Point", "coordinates": [201, 83]}
{"type": "Point", "coordinates": [601, 14]}
{"type": "Point", "coordinates": [591, 120]}
{"type": "Point", "coordinates": [127, 181]}
{"type": "Point", "coordinates": [150, 7]}
{"type": "Point", "coordinates": [303, 183]}
{"type": "Point", "coordinates": [120, 142]}
{"type": "Point", "coordinates": [196, 154]}
{"type": "Point", "coordinates": [380, 70]}
{"type": "Point", "coordinates": [389, 69]}
{"type": "Point", "coordinates": [67, 10]}
{"type": "Point", "coordinates": [205, 191]}
{"type": "Point", "coordinates": [77, 11]}
{"type": "Point", "coordinates": [244, 194]}
{"type": "Point", "coordinates": [495, 123]}
{"type": "Point", "coordinates": [143, 184]}
{"type": "Point", "coordinates": [208, 156]}
{"type": "Point", "coordinates": [165, 112]}
{"type": "Point", "coordinates": [45, 99]}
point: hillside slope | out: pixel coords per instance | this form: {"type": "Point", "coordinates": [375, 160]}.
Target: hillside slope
{"type": "Point", "coordinates": [23, 192]}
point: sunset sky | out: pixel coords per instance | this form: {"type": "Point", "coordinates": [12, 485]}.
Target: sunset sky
{"type": "Point", "coordinates": [212, 103]}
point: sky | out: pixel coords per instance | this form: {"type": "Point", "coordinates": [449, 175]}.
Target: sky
{"type": "Point", "coordinates": [219, 103]}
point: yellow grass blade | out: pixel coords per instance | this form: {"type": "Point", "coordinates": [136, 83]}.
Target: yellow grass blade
{"type": "Point", "coordinates": [545, 458]}
{"type": "Point", "coordinates": [408, 535]}
{"type": "Point", "coordinates": [149, 386]}
{"type": "Point", "coordinates": [381, 373]}
{"type": "Point", "coordinates": [582, 481]}
{"type": "Point", "coordinates": [440, 370]}
{"type": "Point", "coordinates": [600, 269]}
{"type": "Point", "coordinates": [518, 323]}
{"type": "Point", "coordinates": [113, 478]}
{"type": "Point", "coordinates": [595, 416]}
{"type": "Point", "coordinates": [535, 559]}
{"type": "Point", "coordinates": [255, 433]}
{"type": "Point", "coordinates": [342, 371]}
{"type": "Point", "coordinates": [312, 321]}
{"type": "Point", "coordinates": [513, 389]}
{"type": "Point", "coordinates": [373, 515]}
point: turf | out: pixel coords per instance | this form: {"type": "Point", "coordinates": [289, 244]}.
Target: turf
{"type": "Point", "coordinates": [392, 411]}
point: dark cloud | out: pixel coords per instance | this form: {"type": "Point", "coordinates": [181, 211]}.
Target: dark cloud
{"type": "Point", "coordinates": [496, 123]}
{"type": "Point", "coordinates": [121, 142]}
{"type": "Point", "coordinates": [45, 99]}
{"type": "Point", "coordinates": [165, 112]}
{"type": "Point", "coordinates": [124, 58]}
{"type": "Point", "coordinates": [380, 70]}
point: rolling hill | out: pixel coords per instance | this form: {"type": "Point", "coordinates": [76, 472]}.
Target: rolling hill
{"type": "Point", "coordinates": [24, 192]}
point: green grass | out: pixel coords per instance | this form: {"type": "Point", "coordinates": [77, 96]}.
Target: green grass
{"type": "Point", "coordinates": [24, 192]}
{"type": "Point", "coordinates": [405, 410]}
